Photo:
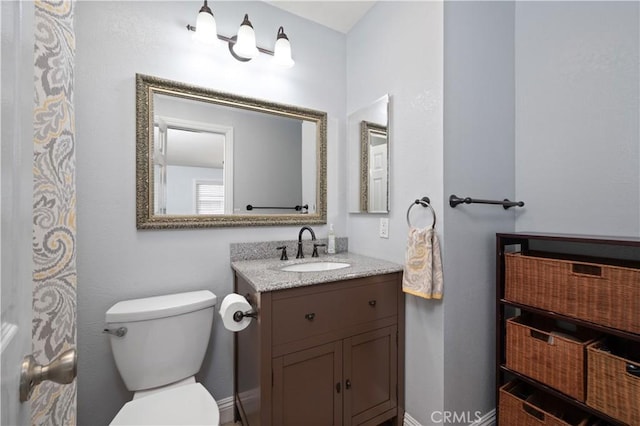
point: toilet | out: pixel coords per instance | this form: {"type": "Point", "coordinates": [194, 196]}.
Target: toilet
{"type": "Point", "coordinates": [158, 356]}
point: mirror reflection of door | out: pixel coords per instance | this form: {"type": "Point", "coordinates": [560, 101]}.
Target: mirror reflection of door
{"type": "Point", "coordinates": [377, 173]}
{"type": "Point", "coordinates": [191, 173]}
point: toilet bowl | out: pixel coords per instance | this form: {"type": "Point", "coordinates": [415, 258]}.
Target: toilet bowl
{"type": "Point", "coordinates": [158, 344]}
{"type": "Point", "coordinates": [184, 405]}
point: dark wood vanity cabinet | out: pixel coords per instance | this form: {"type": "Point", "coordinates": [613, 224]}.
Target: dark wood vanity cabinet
{"type": "Point", "coordinates": [325, 354]}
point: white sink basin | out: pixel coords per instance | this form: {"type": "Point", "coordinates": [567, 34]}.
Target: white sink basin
{"type": "Point", "coordinates": [315, 267]}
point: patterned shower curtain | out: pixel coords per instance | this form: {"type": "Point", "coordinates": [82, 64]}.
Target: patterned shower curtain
{"type": "Point", "coordinates": [54, 206]}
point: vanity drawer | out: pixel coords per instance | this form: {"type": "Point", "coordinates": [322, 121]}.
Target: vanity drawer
{"type": "Point", "coordinates": [298, 317]}
{"type": "Point", "coordinates": [311, 314]}
{"type": "Point", "coordinates": [368, 303]}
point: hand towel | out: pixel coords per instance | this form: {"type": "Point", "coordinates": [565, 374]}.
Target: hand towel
{"type": "Point", "coordinates": [423, 264]}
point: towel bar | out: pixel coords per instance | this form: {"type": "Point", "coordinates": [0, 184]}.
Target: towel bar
{"type": "Point", "coordinates": [454, 200]}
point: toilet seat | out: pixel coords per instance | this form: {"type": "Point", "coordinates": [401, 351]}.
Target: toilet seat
{"type": "Point", "coordinates": [185, 405]}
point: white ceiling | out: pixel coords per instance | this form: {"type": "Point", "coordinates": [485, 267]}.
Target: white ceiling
{"type": "Point", "coordinates": [337, 15]}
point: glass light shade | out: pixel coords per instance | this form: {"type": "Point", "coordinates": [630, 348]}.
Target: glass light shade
{"type": "Point", "coordinates": [206, 31]}
{"type": "Point", "coordinates": [282, 53]}
{"type": "Point", "coordinates": [246, 42]}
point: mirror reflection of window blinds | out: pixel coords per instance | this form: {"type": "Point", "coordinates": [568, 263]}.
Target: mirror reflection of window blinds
{"type": "Point", "coordinates": [209, 197]}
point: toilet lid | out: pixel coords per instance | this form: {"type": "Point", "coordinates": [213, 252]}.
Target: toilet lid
{"type": "Point", "coordinates": [184, 405]}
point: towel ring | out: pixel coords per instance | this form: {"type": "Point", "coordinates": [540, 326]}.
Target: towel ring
{"type": "Point", "coordinates": [424, 202]}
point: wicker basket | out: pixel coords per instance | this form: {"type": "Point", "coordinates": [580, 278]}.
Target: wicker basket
{"type": "Point", "coordinates": [520, 405]}
{"type": "Point", "coordinates": [610, 388]}
{"type": "Point", "coordinates": [536, 349]}
{"type": "Point", "coordinates": [598, 293]}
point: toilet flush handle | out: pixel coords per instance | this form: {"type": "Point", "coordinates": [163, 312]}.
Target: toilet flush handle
{"type": "Point", "coordinates": [118, 332]}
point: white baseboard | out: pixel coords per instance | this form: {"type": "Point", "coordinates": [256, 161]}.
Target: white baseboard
{"type": "Point", "coordinates": [225, 406]}
{"type": "Point", "coordinates": [489, 419]}
{"type": "Point", "coordinates": [410, 421]}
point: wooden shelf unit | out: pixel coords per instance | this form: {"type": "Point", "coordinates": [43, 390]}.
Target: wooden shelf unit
{"type": "Point", "coordinates": [505, 309]}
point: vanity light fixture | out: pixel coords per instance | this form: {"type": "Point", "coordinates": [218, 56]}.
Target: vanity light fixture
{"type": "Point", "coordinates": [206, 26]}
{"type": "Point", "coordinates": [282, 50]}
{"type": "Point", "coordinates": [243, 45]}
{"type": "Point", "coordinates": [246, 40]}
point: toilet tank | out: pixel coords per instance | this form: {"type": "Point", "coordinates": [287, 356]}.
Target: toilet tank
{"type": "Point", "coordinates": [167, 337]}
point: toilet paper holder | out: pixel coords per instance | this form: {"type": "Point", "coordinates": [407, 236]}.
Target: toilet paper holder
{"type": "Point", "coordinates": [239, 315]}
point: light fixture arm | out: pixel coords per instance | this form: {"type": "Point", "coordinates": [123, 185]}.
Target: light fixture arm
{"type": "Point", "coordinates": [243, 45]}
{"type": "Point", "coordinates": [231, 41]}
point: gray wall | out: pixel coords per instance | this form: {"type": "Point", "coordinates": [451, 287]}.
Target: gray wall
{"type": "Point", "coordinates": [450, 343]}
{"type": "Point", "coordinates": [479, 162]}
{"type": "Point", "coordinates": [577, 117]}
{"type": "Point", "coordinates": [541, 104]}
{"type": "Point", "coordinates": [115, 40]}
{"type": "Point", "coordinates": [380, 62]}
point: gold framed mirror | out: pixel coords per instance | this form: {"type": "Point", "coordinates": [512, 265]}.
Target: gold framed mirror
{"type": "Point", "coordinates": [209, 159]}
{"type": "Point", "coordinates": [374, 169]}
{"type": "Point", "coordinates": [368, 152]}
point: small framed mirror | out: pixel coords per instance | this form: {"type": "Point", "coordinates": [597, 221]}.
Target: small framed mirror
{"type": "Point", "coordinates": [207, 159]}
{"type": "Point", "coordinates": [374, 169]}
{"type": "Point", "coordinates": [368, 151]}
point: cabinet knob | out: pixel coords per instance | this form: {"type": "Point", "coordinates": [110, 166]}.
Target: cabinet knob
{"type": "Point", "coordinates": [347, 384]}
{"type": "Point", "coordinates": [372, 303]}
{"type": "Point", "coordinates": [338, 387]}
{"type": "Point", "coordinates": [310, 316]}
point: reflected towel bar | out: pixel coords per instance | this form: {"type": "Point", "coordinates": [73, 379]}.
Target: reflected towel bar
{"type": "Point", "coordinates": [454, 200]}
{"type": "Point", "coordinates": [296, 208]}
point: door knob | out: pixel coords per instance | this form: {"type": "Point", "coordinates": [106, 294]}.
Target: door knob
{"type": "Point", "coordinates": [61, 370]}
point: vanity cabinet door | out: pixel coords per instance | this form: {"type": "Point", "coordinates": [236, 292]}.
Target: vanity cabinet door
{"type": "Point", "coordinates": [307, 387]}
{"type": "Point", "coordinates": [370, 376]}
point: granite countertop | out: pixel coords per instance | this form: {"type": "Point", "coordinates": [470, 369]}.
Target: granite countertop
{"type": "Point", "coordinates": [265, 274]}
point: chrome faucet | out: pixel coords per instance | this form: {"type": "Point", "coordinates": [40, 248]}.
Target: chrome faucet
{"type": "Point", "coordinates": [300, 254]}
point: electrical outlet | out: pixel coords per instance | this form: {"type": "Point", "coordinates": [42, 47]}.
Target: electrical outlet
{"type": "Point", "coordinates": [384, 227]}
